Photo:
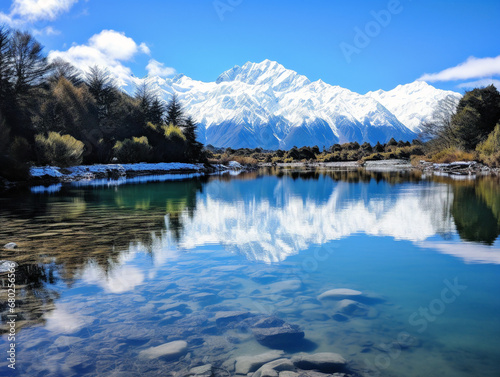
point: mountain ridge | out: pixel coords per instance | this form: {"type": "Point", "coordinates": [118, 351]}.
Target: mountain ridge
{"type": "Point", "coordinates": [267, 105]}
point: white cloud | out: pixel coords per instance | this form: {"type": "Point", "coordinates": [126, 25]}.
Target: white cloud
{"type": "Point", "coordinates": [114, 44]}
{"type": "Point", "coordinates": [22, 11]}
{"type": "Point", "coordinates": [480, 83]}
{"type": "Point", "coordinates": [108, 49]}
{"type": "Point", "coordinates": [144, 48]}
{"type": "Point", "coordinates": [48, 30]}
{"type": "Point", "coordinates": [472, 68]}
{"type": "Point", "coordinates": [155, 68]}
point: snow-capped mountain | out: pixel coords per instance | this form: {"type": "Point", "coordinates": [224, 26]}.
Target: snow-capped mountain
{"type": "Point", "coordinates": [413, 103]}
{"type": "Point", "coordinates": [266, 105]}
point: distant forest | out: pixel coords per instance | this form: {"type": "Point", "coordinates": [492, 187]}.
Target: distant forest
{"type": "Point", "coordinates": [52, 113]}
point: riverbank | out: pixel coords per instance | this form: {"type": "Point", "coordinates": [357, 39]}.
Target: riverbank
{"type": "Point", "coordinates": [48, 175]}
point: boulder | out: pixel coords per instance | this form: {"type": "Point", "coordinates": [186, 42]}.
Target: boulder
{"type": "Point", "coordinates": [248, 364]}
{"type": "Point", "coordinates": [287, 373]}
{"type": "Point", "coordinates": [268, 322]}
{"type": "Point", "coordinates": [339, 294]}
{"type": "Point", "coordinates": [202, 371]}
{"type": "Point", "coordinates": [171, 350]}
{"type": "Point", "coordinates": [10, 246]}
{"type": "Point", "coordinates": [327, 362]}
{"type": "Point", "coordinates": [271, 369]}
{"type": "Point", "coordinates": [285, 286]}
{"type": "Point", "coordinates": [279, 337]}
{"type": "Point", "coordinates": [352, 308]}
{"type": "Point", "coordinates": [223, 318]}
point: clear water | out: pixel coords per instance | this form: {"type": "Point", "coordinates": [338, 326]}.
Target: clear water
{"type": "Point", "coordinates": [108, 269]}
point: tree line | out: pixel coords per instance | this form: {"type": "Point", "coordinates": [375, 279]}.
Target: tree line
{"type": "Point", "coordinates": [468, 129]}
{"type": "Point", "coordinates": [52, 113]}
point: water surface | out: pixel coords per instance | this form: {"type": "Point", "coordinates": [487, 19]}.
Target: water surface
{"type": "Point", "coordinates": [109, 269]}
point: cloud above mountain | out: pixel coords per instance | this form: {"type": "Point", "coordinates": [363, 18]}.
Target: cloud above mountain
{"type": "Point", "coordinates": [108, 49]}
{"type": "Point", "coordinates": [472, 68]}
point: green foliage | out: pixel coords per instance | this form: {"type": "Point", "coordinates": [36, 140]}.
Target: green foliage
{"type": "Point", "coordinates": [174, 113]}
{"type": "Point", "coordinates": [492, 144]}
{"type": "Point", "coordinates": [136, 149]}
{"type": "Point", "coordinates": [59, 150]}
{"type": "Point", "coordinates": [476, 116]}
{"type": "Point", "coordinates": [173, 133]}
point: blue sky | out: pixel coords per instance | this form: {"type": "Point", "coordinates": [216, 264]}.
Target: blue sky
{"type": "Point", "coordinates": [360, 45]}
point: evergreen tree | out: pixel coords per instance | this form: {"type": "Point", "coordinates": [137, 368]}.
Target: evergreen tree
{"type": "Point", "coordinates": [174, 112]}
{"type": "Point", "coordinates": [194, 147]}
{"type": "Point", "coordinates": [156, 111]}
{"type": "Point", "coordinates": [103, 90]}
{"type": "Point", "coordinates": [477, 114]}
{"type": "Point", "coordinates": [6, 71]}
{"type": "Point", "coordinates": [378, 147]}
{"type": "Point", "coordinates": [29, 64]}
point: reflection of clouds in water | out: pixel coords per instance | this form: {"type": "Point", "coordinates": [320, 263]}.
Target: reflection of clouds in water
{"type": "Point", "coordinates": [122, 278]}
{"type": "Point", "coordinates": [270, 233]}
{"type": "Point", "coordinates": [469, 252]}
{"type": "Point", "coordinates": [64, 320]}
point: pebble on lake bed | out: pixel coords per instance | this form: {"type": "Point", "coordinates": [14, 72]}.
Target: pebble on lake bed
{"type": "Point", "coordinates": [339, 294]}
{"type": "Point", "coordinates": [168, 350]}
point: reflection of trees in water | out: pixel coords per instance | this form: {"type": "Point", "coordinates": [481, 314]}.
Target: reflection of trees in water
{"type": "Point", "coordinates": [34, 296]}
{"type": "Point", "coordinates": [80, 226]}
{"type": "Point", "coordinates": [77, 227]}
{"type": "Point", "coordinates": [476, 210]}
{"type": "Point", "coordinates": [351, 175]}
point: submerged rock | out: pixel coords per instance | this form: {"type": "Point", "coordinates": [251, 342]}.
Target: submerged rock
{"type": "Point", "coordinates": [248, 364]}
{"type": "Point", "coordinates": [352, 308]}
{"type": "Point", "coordinates": [170, 350]}
{"type": "Point", "coordinates": [224, 318]}
{"type": "Point", "coordinates": [340, 317]}
{"type": "Point", "coordinates": [327, 362]}
{"type": "Point", "coordinates": [281, 337]}
{"type": "Point", "coordinates": [287, 373]}
{"type": "Point", "coordinates": [339, 294]}
{"type": "Point", "coordinates": [202, 371]}
{"type": "Point", "coordinates": [271, 369]}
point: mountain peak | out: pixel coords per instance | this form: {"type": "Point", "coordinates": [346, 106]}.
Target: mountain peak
{"type": "Point", "coordinates": [267, 72]}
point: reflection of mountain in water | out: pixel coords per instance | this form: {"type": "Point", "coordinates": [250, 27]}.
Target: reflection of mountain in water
{"type": "Point", "coordinates": [91, 233]}
{"type": "Point", "coordinates": [272, 218]}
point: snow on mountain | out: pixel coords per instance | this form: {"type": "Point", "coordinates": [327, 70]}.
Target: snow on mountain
{"type": "Point", "coordinates": [266, 105]}
{"type": "Point", "coordinates": [412, 103]}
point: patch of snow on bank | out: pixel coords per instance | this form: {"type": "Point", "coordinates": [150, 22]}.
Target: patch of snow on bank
{"type": "Point", "coordinates": [82, 170]}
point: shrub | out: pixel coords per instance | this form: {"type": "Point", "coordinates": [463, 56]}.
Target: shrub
{"type": "Point", "coordinates": [136, 149]}
{"type": "Point", "coordinates": [492, 144]}
{"type": "Point", "coordinates": [493, 160]}
{"type": "Point", "coordinates": [452, 154]}
{"type": "Point", "coordinates": [173, 132]}
{"type": "Point", "coordinates": [59, 150]}
{"type": "Point", "coordinates": [374, 157]}
{"type": "Point", "coordinates": [151, 126]}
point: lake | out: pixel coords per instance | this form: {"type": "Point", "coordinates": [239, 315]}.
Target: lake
{"type": "Point", "coordinates": [397, 272]}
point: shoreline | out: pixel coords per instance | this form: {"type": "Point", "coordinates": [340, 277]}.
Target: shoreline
{"type": "Point", "coordinates": [49, 175]}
